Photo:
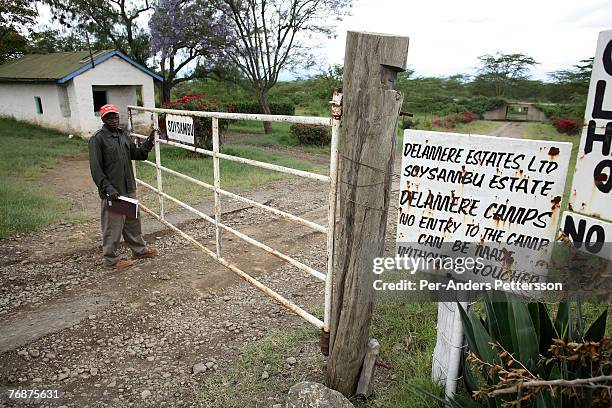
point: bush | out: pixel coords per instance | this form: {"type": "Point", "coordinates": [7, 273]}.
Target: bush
{"type": "Point", "coordinates": [450, 121]}
{"type": "Point", "coordinates": [410, 123]}
{"type": "Point", "coordinates": [445, 105]}
{"type": "Point", "coordinates": [518, 342]}
{"type": "Point", "coordinates": [570, 125]}
{"type": "Point", "coordinates": [203, 126]}
{"type": "Point", "coordinates": [253, 108]}
{"type": "Point", "coordinates": [563, 110]}
{"type": "Point", "coordinates": [311, 134]}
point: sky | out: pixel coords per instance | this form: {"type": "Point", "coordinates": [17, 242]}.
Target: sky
{"type": "Point", "coordinates": [446, 37]}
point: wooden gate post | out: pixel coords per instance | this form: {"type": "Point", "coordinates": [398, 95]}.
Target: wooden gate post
{"type": "Point", "coordinates": [371, 107]}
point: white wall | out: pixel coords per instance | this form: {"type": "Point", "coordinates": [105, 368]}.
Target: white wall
{"type": "Point", "coordinates": [114, 72]}
{"type": "Point", "coordinates": [118, 76]}
{"type": "Point", "coordinates": [17, 99]}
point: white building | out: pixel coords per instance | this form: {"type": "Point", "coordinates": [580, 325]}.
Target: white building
{"type": "Point", "coordinates": [66, 90]}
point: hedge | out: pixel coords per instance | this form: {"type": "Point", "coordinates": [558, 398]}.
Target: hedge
{"type": "Point", "coordinates": [311, 134]}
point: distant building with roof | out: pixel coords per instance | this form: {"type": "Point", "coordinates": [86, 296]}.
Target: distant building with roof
{"type": "Point", "coordinates": [66, 90]}
{"type": "Point", "coordinates": [516, 111]}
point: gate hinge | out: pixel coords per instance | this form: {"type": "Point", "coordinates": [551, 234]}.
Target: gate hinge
{"type": "Point", "coordinates": [336, 104]}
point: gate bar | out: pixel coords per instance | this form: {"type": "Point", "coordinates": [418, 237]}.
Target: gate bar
{"type": "Point", "coordinates": [240, 235]}
{"type": "Point", "coordinates": [272, 294]}
{"type": "Point", "coordinates": [305, 120]}
{"type": "Point", "coordinates": [273, 210]}
{"type": "Point", "coordinates": [217, 181]}
{"type": "Point", "coordinates": [158, 165]}
{"type": "Point", "coordinates": [255, 163]}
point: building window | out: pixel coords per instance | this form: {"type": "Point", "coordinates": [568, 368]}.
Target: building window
{"type": "Point", "coordinates": [99, 100]}
{"type": "Point", "coordinates": [39, 108]}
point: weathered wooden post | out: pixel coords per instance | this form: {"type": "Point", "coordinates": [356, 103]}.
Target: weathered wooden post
{"type": "Point", "coordinates": [370, 112]}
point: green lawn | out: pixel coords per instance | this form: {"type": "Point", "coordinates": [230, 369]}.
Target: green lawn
{"type": "Point", "coordinates": [234, 176]}
{"type": "Point", "coordinates": [281, 136]}
{"type": "Point", "coordinates": [26, 152]}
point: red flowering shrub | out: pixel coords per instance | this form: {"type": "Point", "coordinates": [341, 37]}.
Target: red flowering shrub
{"type": "Point", "coordinates": [569, 125]}
{"type": "Point", "coordinates": [203, 126]}
{"type": "Point", "coordinates": [450, 121]}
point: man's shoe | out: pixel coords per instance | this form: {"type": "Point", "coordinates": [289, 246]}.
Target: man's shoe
{"type": "Point", "coordinates": [121, 264]}
{"type": "Point", "coordinates": [147, 253]}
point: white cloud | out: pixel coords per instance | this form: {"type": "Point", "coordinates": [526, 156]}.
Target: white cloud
{"type": "Point", "coordinates": [446, 37]}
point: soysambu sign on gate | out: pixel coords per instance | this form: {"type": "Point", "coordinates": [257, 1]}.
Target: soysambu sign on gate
{"type": "Point", "coordinates": [482, 197]}
{"type": "Point", "coordinates": [180, 128]}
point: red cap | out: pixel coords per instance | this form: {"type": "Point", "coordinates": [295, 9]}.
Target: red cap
{"type": "Point", "coordinates": [108, 108]}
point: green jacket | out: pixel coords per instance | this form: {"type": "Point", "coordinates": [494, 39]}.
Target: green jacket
{"type": "Point", "coordinates": [110, 156]}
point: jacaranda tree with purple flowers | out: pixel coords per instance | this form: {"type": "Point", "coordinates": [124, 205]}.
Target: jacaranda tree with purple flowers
{"type": "Point", "coordinates": [186, 35]}
{"type": "Point", "coordinates": [275, 35]}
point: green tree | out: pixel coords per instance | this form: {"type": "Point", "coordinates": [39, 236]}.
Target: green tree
{"type": "Point", "coordinates": [185, 32]}
{"type": "Point", "coordinates": [572, 85]}
{"type": "Point", "coordinates": [14, 16]}
{"type": "Point", "coordinates": [504, 70]}
{"type": "Point", "coordinates": [50, 40]}
{"type": "Point", "coordinates": [325, 83]}
{"type": "Point", "coordinates": [113, 22]}
{"type": "Point", "coordinates": [579, 74]}
{"type": "Point", "coordinates": [270, 36]}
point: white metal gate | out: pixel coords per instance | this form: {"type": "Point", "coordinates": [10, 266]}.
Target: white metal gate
{"type": "Point", "coordinates": [333, 122]}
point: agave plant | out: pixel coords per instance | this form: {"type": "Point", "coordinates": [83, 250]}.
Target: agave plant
{"type": "Point", "coordinates": [519, 343]}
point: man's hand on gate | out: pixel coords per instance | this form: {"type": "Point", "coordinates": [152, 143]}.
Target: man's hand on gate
{"type": "Point", "coordinates": [151, 137]}
{"type": "Point", "coordinates": [113, 196]}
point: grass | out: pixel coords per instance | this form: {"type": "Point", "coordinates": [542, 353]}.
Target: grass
{"type": "Point", "coordinates": [241, 384]}
{"type": "Point", "coordinates": [407, 338]}
{"type": "Point", "coordinates": [281, 136]}
{"type": "Point", "coordinates": [234, 176]}
{"type": "Point", "coordinates": [26, 152]}
{"type": "Point", "coordinates": [478, 127]}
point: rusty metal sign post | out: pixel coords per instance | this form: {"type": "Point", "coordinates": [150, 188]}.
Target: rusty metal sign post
{"type": "Point", "coordinates": [333, 122]}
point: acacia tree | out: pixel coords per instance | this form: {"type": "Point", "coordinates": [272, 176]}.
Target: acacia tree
{"type": "Point", "coordinates": [504, 70]}
{"type": "Point", "coordinates": [110, 21]}
{"type": "Point", "coordinates": [275, 35]}
{"type": "Point", "coordinates": [183, 33]}
{"type": "Point", "coordinates": [576, 78]}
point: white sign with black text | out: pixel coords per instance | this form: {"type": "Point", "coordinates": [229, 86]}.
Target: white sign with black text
{"type": "Point", "coordinates": [591, 189]}
{"type": "Point", "coordinates": [180, 128]}
{"type": "Point", "coordinates": [481, 196]}
{"type": "Point", "coordinates": [588, 234]}
{"type": "Point", "coordinates": [592, 185]}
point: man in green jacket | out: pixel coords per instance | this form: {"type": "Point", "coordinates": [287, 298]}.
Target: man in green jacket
{"type": "Point", "coordinates": [110, 154]}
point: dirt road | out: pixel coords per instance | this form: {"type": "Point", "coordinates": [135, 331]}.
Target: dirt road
{"type": "Point", "coordinates": [132, 338]}
{"type": "Point", "coordinates": [510, 129]}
